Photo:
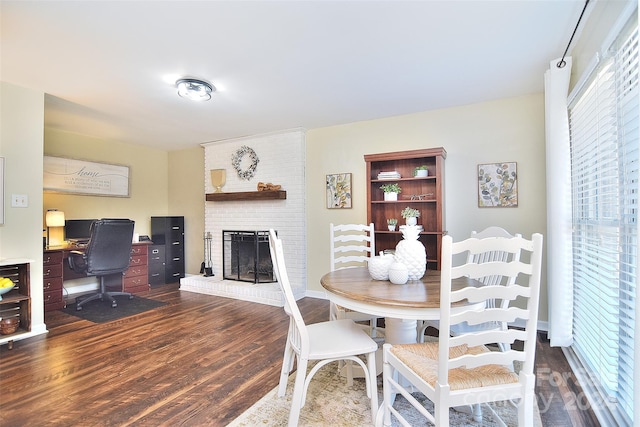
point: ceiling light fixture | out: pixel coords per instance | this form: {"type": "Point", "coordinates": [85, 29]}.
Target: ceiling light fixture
{"type": "Point", "coordinates": [194, 89]}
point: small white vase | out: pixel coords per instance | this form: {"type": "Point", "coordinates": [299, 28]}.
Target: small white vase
{"type": "Point", "coordinates": [398, 273]}
{"type": "Point", "coordinates": [422, 173]}
{"type": "Point", "coordinates": [391, 227]}
{"type": "Point", "coordinates": [412, 220]}
{"type": "Point", "coordinates": [390, 197]}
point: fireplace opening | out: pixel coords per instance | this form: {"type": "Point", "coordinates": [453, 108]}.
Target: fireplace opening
{"type": "Point", "coordinates": [246, 256]}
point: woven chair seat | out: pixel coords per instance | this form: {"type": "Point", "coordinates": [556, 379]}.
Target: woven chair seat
{"type": "Point", "coordinates": [423, 359]}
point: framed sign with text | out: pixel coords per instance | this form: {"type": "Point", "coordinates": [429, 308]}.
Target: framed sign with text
{"type": "Point", "coordinates": [62, 175]}
{"type": "Point", "coordinates": [1, 190]}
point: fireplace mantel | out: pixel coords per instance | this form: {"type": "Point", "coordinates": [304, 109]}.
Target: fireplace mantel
{"type": "Point", "coordinates": [246, 195]}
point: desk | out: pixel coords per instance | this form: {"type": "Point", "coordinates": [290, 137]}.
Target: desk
{"type": "Point", "coordinates": [56, 270]}
{"type": "Point", "coordinates": [401, 305]}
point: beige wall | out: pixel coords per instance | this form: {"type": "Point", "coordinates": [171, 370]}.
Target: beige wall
{"type": "Point", "coordinates": [172, 183]}
{"type": "Point", "coordinates": [21, 140]}
{"type": "Point", "coordinates": [508, 130]}
{"type": "Point", "coordinates": [186, 198]}
{"type": "Point", "coordinates": [148, 180]}
{"type": "Point", "coordinates": [156, 177]}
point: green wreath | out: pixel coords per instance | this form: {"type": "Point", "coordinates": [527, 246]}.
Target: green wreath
{"type": "Point", "coordinates": [236, 161]}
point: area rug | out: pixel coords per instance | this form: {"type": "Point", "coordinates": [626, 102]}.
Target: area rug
{"type": "Point", "coordinates": [330, 402]}
{"type": "Point", "coordinates": [97, 311]}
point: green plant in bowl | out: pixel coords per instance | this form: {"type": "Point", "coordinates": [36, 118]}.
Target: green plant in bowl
{"type": "Point", "coordinates": [421, 171]}
{"type": "Point", "coordinates": [409, 212]}
{"type": "Point", "coordinates": [391, 188]}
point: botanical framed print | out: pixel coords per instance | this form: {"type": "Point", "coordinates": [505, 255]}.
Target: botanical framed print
{"type": "Point", "coordinates": [498, 185]}
{"type": "Point", "coordinates": [339, 191]}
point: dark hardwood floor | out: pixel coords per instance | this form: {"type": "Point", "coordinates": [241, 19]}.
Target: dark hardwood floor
{"type": "Point", "coordinates": [197, 361]}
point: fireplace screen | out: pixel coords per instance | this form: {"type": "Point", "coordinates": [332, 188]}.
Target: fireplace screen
{"type": "Point", "coordinates": [246, 256]}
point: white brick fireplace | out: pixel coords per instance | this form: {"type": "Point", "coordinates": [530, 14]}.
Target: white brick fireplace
{"type": "Point", "coordinates": [281, 162]}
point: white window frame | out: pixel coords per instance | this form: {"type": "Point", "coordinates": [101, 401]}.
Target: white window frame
{"type": "Point", "coordinates": [605, 243]}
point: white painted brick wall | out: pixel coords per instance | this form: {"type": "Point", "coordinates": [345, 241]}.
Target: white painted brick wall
{"type": "Point", "coordinates": [281, 161]}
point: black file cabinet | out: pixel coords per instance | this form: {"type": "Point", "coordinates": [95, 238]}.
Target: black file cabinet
{"type": "Point", "coordinates": [168, 231]}
{"type": "Point", "coordinates": [156, 264]}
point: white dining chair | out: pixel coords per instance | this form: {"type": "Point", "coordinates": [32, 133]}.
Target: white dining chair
{"type": "Point", "coordinates": [352, 245]}
{"type": "Point", "coordinates": [496, 232]}
{"type": "Point", "coordinates": [462, 370]}
{"type": "Point", "coordinates": [324, 342]}
{"type": "Point", "coordinates": [457, 329]}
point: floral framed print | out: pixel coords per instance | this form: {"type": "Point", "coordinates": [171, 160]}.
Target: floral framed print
{"type": "Point", "coordinates": [498, 185]}
{"type": "Point", "coordinates": [339, 191]}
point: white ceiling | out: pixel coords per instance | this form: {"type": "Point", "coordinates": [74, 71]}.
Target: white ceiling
{"type": "Point", "coordinates": [109, 67]}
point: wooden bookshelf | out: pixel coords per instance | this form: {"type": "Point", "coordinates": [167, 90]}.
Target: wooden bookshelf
{"type": "Point", "coordinates": [428, 197]}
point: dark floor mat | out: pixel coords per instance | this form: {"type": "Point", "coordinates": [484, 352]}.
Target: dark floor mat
{"type": "Point", "coordinates": [101, 311]}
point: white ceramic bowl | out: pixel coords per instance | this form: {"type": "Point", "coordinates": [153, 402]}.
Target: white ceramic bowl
{"type": "Point", "coordinates": [379, 267]}
{"type": "Point", "coordinates": [5, 290]}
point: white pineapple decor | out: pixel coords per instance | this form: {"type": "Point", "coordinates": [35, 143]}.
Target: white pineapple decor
{"type": "Point", "coordinates": [411, 252]}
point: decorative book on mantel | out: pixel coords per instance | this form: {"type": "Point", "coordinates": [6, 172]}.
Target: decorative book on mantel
{"type": "Point", "coordinates": [389, 175]}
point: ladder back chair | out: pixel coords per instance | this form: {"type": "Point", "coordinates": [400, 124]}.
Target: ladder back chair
{"type": "Point", "coordinates": [461, 370]}
{"type": "Point", "coordinates": [492, 280]}
{"type": "Point", "coordinates": [351, 246]}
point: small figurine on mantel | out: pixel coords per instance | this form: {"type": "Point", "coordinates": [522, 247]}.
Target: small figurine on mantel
{"type": "Point", "coordinates": [268, 187]}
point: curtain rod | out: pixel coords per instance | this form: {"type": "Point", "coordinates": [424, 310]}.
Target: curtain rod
{"type": "Point", "coordinates": [562, 62]}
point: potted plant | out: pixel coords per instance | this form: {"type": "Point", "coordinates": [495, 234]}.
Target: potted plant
{"type": "Point", "coordinates": [421, 171]}
{"type": "Point", "coordinates": [391, 191]}
{"type": "Point", "coordinates": [391, 224]}
{"type": "Point", "coordinates": [410, 215]}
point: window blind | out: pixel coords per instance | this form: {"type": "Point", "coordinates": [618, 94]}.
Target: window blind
{"type": "Point", "coordinates": [603, 121]}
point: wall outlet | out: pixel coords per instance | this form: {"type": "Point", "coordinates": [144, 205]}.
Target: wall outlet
{"type": "Point", "coordinates": [19, 201]}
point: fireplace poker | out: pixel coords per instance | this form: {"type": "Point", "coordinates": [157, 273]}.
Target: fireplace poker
{"type": "Point", "coordinates": [204, 253]}
{"type": "Point", "coordinates": [208, 271]}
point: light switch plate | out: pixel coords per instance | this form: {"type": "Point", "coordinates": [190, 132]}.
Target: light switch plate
{"type": "Point", "coordinates": [19, 201]}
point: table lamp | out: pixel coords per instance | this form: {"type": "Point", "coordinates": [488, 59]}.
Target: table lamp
{"type": "Point", "coordinates": [218, 179]}
{"type": "Point", "coordinates": [54, 219]}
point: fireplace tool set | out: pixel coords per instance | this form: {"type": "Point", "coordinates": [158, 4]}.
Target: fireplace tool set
{"type": "Point", "coordinates": [206, 267]}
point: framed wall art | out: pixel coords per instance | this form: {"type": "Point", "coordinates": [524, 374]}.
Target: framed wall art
{"type": "Point", "coordinates": [498, 185]}
{"type": "Point", "coordinates": [62, 175]}
{"type": "Point", "coordinates": [1, 190]}
{"type": "Point", "coordinates": [339, 191]}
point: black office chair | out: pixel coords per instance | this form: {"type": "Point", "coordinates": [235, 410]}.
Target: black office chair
{"type": "Point", "coordinates": [108, 252]}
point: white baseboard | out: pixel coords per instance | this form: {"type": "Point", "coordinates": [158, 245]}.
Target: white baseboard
{"type": "Point", "coordinates": [71, 289]}
{"type": "Point", "coordinates": [80, 286]}
{"type": "Point", "coordinates": [315, 294]}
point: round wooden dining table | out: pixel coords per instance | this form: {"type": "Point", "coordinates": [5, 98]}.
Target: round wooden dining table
{"type": "Point", "coordinates": [401, 305]}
